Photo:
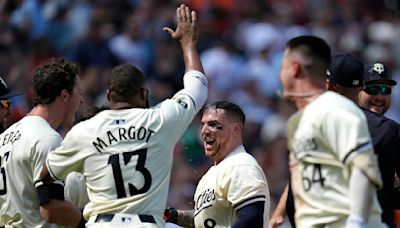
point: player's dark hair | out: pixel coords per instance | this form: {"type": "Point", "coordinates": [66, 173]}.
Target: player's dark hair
{"type": "Point", "coordinates": [51, 78]}
{"type": "Point", "coordinates": [316, 51]}
{"type": "Point", "coordinates": [231, 110]}
{"type": "Point", "coordinates": [125, 81]}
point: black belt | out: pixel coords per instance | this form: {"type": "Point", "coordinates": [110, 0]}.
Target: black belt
{"type": "Point", "coordinates": [109, 217]}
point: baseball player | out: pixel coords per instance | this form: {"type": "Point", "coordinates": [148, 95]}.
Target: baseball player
{"type": "Point", "coordinates": [5, 102]}
{"type": "Point", "coordinates": [375, 97]}
{"type": "Point", "coordinates": [24, 200]}
{"type": "Point", "coordinates": [125, 153]}
{"type": "Point", "coordinates": [75, 184]}
{"type": "Point", "coordinates": [234, 192]}
{"type": "Point", "coordinates": [334, 170]}
{"type": "Point", "coordinates": [376, 93]}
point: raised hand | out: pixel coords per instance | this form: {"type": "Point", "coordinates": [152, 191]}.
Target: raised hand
{"type": "Point", "coordinates": [187, 30]}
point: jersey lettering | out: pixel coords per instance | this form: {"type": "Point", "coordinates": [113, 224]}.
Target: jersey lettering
{"type": "Point", "coordinates": [114, 160]}
{"type": "Point", "coordinates": [10, 137]}
{"type": "Point", "coordinates": [3, 179]}
{"type": "Point", "coordinates": [316, 177]}
{"type": "Point", "coordinates": [205, 199]}
{"type": "Point", "coordinates": [122, 134]}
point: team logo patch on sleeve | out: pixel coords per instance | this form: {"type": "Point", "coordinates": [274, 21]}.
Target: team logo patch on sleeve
{"type": "Point", "coordinates": [203, 81]}
{"type": "Point", "coordinates": [182, 101]}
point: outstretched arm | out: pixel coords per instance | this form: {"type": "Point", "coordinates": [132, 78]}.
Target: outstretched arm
{"type": "Point", "coordinates": [53, 207]}
{"type": "Point", "coordinates": [194, 81]}
{"type": "Point", "coordinates": [278, 217]}
{"type": "Point", "coordinates": [187, 34]}
{"type": "Point", "coordinates": [361, 193]}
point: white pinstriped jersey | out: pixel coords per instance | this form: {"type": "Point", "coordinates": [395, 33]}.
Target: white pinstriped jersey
{"type": "Point", "coordinates": [323, 137]}
{"type": "Point", "coordinates": [23, 150]}
{"type": "Point", "coordinates": [233, 183]}
{"type": "Point", "coordinates": [126, 155]}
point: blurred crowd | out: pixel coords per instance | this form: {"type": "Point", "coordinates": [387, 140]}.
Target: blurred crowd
{"type": "Point", "coordinates": [241, 45]}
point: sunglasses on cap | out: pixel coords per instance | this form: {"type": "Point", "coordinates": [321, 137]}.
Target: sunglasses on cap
{"type": "Point", "coordinates": [374, 89]}
{"type": "Point", "coordinates": [5, 104]}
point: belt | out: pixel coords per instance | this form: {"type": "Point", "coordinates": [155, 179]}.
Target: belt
{"type": "Point", "coordinates": [109, 217]}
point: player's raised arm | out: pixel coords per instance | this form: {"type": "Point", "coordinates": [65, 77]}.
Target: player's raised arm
{"type": "Point", "coordinates": [187, 34]}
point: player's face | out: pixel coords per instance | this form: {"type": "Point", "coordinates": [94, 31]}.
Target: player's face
{"type": "Point", "coordinates": [376, 98]}
{"type": "Point", "coordinates": [216, 134]}
{"type": "Point", "coordinates": [73, 103]}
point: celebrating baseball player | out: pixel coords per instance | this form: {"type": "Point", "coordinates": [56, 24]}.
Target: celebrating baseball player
{"type": "Point", "coordinates": [375, 98]}
{"type": "Point", "coordinates": [125, 153]}
{"type": "Point", "coordinates": [234, 191]}
{"type": "Point", "coordinates": [24, 200]}
{"type": "Point", "coordinates": [334, 170]}
{"type": "Point", "coordinates": [5, 102]}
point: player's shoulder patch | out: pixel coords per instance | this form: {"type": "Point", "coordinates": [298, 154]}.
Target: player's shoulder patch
{"type": "Point", "coordinates": [182, 99]}
{"type": "Point", "coordinates": [202, 79]}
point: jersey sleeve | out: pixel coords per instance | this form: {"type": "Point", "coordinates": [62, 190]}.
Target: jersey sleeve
{"type": "Point", "coordinates": [66, 158]}
{"type": "Point", "coordinates": [196, 86]}
{"type": "Point", "coordinates": [39, 151]}
{"type": "Point", "coordinates": [346, 132]}
{"type": "Point", "coordinates": [244, 185]}
{"type": "Point", "coordinates": [180, 110]}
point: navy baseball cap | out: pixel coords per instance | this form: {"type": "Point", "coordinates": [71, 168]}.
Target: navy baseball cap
{"type": "Point", "coordinates": [5, 93]}
{"type": "Point", "coordinates": [346, 70]}
{"type": "Point", "coordinates": [378, 73]}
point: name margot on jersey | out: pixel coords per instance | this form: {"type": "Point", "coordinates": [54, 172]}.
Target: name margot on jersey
{"type": "Point", "coordinates": [122, 134]}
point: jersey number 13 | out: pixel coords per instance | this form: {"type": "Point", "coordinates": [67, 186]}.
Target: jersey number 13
{"type": "Point", "coordinates": [116, 168]}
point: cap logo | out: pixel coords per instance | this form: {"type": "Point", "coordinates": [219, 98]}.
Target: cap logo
{"type": "Point", "coordinates": [328, 73]}
{"type": "Point", "coordinates": [378, 67]}
{"type": "Point", "coordinates": [356, 82]}
{"type": "Point", "coordinates": [3, 82]}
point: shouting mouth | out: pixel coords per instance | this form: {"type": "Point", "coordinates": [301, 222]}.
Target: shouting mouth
{"type": "Point", "coordinates": [208, 142]}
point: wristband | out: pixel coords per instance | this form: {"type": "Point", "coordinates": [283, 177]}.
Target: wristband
{"type": "Point", "coordinates": [171, 215]}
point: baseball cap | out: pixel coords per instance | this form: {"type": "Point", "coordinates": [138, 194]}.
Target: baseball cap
{"type": "Point", "coordinates": [378, 72]}
{"type": "Point", "coordinates": [346, 70]}
{"type": "Point", "coordinates": [5, 92]}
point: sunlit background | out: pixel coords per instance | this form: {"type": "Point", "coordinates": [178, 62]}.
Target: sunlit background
{"type": "Point", "coordinates": [241, 44]}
